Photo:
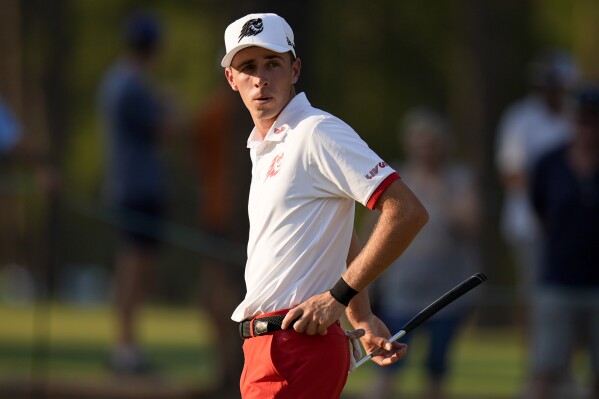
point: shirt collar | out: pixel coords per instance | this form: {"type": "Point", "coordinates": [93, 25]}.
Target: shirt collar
{"type": "Point", "coordinates": [279, 129]}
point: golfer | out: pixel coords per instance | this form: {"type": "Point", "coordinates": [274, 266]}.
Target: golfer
{"type": "Point", "coordinates": [305, 266]}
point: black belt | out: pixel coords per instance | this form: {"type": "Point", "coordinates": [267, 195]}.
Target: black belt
{"type": "Point", "coordinates": [260, 326]}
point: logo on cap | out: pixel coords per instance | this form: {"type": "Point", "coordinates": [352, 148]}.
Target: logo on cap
{"type": "Point", "coordinates": [251, 28]}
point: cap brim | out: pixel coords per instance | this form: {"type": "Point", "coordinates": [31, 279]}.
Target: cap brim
{"type": "Point", "coordinates": [226, 61]}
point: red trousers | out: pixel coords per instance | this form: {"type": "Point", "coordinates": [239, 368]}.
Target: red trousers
{"type": "Point", "coordinates": [289, 365]}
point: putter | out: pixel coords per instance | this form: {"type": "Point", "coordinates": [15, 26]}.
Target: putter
{"type": "Point", "coordinates": [431, 309]}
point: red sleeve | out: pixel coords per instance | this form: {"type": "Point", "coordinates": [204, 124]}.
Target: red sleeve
{"type": "Point", "coordinates": [381, 188]}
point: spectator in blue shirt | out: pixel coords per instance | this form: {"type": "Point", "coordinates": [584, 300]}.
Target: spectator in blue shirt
{"type": "Point", "coordinates": [134, 121]}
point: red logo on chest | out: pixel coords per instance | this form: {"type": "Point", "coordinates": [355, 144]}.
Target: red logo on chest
{"type": "Point", "coordinates": [275, 166]}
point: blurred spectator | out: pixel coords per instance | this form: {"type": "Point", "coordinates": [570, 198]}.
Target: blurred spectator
{"type": "Point", "coordinates": [565, 196]}
{"type": "Point", "coordinates": [15, 148]}
{"type": "Point", "coordinates": [136, 121]}
{"type": "Point", "coordinates": [10, 135]}
{"type": "Point", "coordinates": [18, 149]}
{"type": "Point", "coordinates": [528, 129]}
{"type": "Point", "coordinates": [440, 257]}
{"type": "Point", "coordinates": [10, 130]}
{"type": "Point", "coordinates": [219, 156]}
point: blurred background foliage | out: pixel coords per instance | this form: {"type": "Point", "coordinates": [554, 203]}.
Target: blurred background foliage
{"type": "Point", "coordinates": [367, 62]}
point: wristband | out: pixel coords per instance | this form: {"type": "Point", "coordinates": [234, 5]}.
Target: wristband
{"type": "Point", "coordinates": [342, 292]}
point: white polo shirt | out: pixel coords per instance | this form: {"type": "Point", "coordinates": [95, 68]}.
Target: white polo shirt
{"type": "Point", "coordinates": [306, 176]}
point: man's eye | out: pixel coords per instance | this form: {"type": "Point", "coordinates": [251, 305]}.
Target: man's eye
{"type": "Point", "coordinates": [273, 64]}
{"type": "Point", "coordinates": [246, 68]}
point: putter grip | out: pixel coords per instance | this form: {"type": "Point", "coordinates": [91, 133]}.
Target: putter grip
{"type": "Point", "coordinates": [445, 300]}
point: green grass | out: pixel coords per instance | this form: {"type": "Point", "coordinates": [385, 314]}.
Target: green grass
{"type": "Point", "coordinates": [73, 343]}
{"type": "Point", "coordinates": [485, 362]}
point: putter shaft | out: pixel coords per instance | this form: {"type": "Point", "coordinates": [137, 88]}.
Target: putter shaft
{"type": "Point", "coordinates": [433, 308]}
{"type": "Point", "coordinates": [366, 358]}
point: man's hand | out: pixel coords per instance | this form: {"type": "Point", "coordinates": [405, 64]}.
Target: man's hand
{"type": "Point", "coordinates": [315, 315]}
{"type": "Point", "coordinates": [375, 338]}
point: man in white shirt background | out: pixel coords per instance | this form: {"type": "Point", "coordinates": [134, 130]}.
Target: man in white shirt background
{"type": "Point", "coordinates": [528, 129]}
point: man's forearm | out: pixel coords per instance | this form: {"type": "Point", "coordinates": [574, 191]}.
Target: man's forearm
{"type": "Point", "coordinates": [359, 308]}
{"type": "Point", "coordinates": [402, 217]}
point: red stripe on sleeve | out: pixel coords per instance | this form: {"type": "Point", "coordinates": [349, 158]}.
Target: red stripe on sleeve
{"type": "Point", "coordinates": [381, 188]}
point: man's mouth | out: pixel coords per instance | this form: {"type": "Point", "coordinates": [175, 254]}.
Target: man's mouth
{"type": "Point", "coordinates": [263, 99]}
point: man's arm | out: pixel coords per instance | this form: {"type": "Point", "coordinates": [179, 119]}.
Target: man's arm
{"type": "Point", "coordinates": [359, 314]}
{"type": "Point", "coordinates": [402, 217]}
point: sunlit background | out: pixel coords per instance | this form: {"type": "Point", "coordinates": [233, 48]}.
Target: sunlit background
{"type": "Point", "coordinates": [366, 62]}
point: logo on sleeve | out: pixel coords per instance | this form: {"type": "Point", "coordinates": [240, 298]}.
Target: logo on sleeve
{"type": "Point", "coordinates": [375, 171]}
{"type": "Point", "coordinates": [251, 28]}
{"type": "Point", "coordinates": [275, 166]}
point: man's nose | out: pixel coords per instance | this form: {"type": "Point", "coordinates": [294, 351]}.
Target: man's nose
{"type": "Point", "coordinates": [261, 78]}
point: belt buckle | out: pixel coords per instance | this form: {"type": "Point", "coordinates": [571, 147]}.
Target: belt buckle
{"type": "Point", "coordinates": [260, 327]}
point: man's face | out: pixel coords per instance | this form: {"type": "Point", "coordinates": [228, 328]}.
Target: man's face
{"type": "Point", "coordinates": [264, 80]}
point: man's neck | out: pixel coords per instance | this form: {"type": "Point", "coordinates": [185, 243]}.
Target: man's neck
{"type": "Point", "coordinates": [264, 125]}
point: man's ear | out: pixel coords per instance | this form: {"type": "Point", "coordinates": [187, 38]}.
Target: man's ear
{"type": "Point", "coordinates": [229, 76]}
{"type": "Point", "coordinates": [296, 68]}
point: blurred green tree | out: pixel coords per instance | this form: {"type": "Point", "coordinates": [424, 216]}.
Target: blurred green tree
{"type": "Point", "coordinates": [366, 62]}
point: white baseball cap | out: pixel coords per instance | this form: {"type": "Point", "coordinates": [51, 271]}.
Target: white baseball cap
{"type": "Point", "coordinates": [263, 30]}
